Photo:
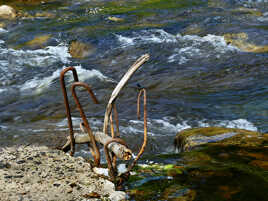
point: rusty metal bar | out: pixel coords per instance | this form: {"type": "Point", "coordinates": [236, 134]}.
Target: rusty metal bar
{"type": "Point", "coordinates": [116, 122]}
{"type": "Point", "coordinates": [95, 152]}
{"type": "Point", "coordinates": [67, 106]}
{"type": "Point", "coordinates": [142, 91]}
{"type": "Point", "coordinates": [114, 112]}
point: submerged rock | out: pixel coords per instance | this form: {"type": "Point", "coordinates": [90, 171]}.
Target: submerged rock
{"type": "Point", "coordinates": [80, 50]}
{"type": "Point", "coordinates": [240, 40]}
{"type": "Point", "coordinates": [190, 138]}
{"type": "Point", "coordinates": [7, 12]}
{"type": "Point", "coordinates": [248, 11]}
{"type": "Point", "coordinates": [115, 19]}
{"type": "Point", "coordinates": [32, 2]}
{"type": "Point", "coordinates": [37, 42]}
{"type": "Point", "coordinates": [39, 173]}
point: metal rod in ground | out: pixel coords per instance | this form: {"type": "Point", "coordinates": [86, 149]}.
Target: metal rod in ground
{"type": "Point", "coordinates": [67, 106]}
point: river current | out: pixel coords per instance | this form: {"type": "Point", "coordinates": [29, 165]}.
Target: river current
{"type": "Point", "coordinates": [194, 77]}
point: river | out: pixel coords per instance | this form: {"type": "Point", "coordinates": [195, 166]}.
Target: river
{"type": "Point", "coordinates": [194, 77]}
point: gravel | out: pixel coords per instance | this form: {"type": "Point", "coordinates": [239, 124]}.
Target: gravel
{"type": "Point", "coordinates": [40, 173]}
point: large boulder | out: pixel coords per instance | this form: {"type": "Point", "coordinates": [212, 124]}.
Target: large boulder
{"type": "Point", "coordinates": [7, 12]}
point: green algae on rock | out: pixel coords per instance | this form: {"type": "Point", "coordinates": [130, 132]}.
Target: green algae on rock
{"type": "Point", "coordinates": [232, 168]}
{"type": "Point", "coordinates": [190, 138]}
{"type": "Point", "coordinates": [240, 40]}
{"type": "Point", "coordinates": [80, 50]}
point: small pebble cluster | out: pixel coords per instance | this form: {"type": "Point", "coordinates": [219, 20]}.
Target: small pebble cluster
{"type": "Point", "coordinates": [39, 173]}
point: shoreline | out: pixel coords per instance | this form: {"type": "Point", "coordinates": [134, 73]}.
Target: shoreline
{"type": "Point", "coordinates": [41, 173]}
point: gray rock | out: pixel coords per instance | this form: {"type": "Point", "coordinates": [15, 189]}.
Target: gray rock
{"type": "Point", "coordinates": [39, 173]}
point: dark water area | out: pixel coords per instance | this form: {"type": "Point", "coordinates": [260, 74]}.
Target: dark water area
{"type": "Point", "coordinates": [195, 76]}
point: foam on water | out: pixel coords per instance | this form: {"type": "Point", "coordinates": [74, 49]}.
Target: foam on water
{"type": "Point", "coordinates": [94, 123]}
{"type": "Point", "coordinates": [3, 90]}
{"type": "Point", "coordinates": [147, 36]}
{"type": "Point", "coordinates": [12, 62]}
{"type": "Point", "coordinates": [36, 58]}
{"type": "Point", "coordinates": [193, 46]}
{"type": "Point", "coordinates": [189, 47]}
{"type": "Point", "coordinates": [238, 123]}
{"type": "Point", "coordinates": [3, 30]}
{"type": "Point", "coordinates": [85, 74]}
{"type": "Point", "coordinates": [38, 85]}
{"type": "Point", "coordinates": [165, 125]}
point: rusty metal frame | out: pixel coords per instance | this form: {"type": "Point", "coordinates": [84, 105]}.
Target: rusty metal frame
{"type": "Point", "coordinates": [110, 157]}
{"type": "Point", "coordinates": [95, 152]}
{"type": "Point", "coordinates": [145, 132]}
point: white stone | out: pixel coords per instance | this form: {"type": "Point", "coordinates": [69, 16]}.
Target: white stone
{"type": "Point", "coordinates": [7, 12]}
{"type": "Point", "coordinates": [118, 196]}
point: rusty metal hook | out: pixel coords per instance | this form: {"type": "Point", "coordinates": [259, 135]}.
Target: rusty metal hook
{"type": "Point", "coordinates": [95, 152]}
{"type": "Point", "coordinates": [115, 113]}
{"type": "Point", "coordinates": [111, 166]}
{"type": "Point", "coordinates": [142, 91]}
{"type": "Point", "coordinates": [67, 107]}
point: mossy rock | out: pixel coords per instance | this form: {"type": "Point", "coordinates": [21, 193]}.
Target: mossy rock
{"type": "Point", "coordinates": [37, 42]}
{"type": "Point", "coordinates": [80, 50]}
{"type": "Point", "coordinates": [194, 29]}
{"type": "Point", "coordinates": [240, 40]}
{"type": "Point", "coordinates": [247, 11]}
{"type": "Point", "coordinates": [30, 2]}
{"type": "Point", "coordinates": [190, 138]}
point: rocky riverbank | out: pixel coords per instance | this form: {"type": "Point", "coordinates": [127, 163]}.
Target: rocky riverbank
{"type": "Point", "coordinates": [41, 173]}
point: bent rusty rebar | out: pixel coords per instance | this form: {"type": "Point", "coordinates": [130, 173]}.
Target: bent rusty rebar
{"type": "Point", "coordinates": [67, 107]}
{"type": "Point", "coordinates": [114, 112]}
{"type": "Point", "coordinates": [111, 166]}
{"type": "Point", "coordinates": [142, 91]}
{"type": "Point", "coordinates": [95, 152]}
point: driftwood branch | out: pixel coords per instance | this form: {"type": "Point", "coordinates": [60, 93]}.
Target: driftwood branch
{"type": "Point", "coordinates": [119, 87]}
{"type": "Point", "coordinates": [119, 150]}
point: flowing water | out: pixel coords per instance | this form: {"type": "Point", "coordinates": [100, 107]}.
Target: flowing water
{"type": "Point", "coordinates": [194, 77]}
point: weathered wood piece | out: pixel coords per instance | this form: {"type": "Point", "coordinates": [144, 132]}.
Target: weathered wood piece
{"type": "Point", "coordinates": [119, 150]}
{"type": "Point", "coordinates": [119, 87]}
